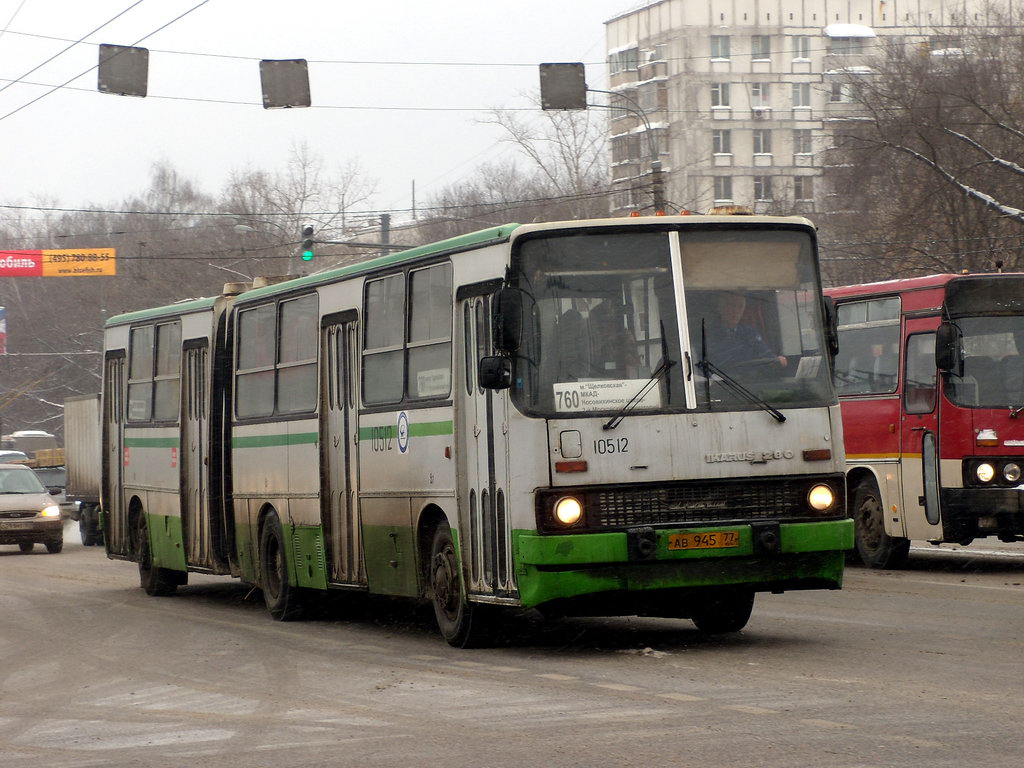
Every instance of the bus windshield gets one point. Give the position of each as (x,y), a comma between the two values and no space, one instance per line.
(601,323)
(993,374)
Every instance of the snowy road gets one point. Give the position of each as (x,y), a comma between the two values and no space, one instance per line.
(918,667)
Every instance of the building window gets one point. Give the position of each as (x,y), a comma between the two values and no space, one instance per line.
(625,148)
(847,46)
(801,48)
(723,189)
(653,96)
(624,61)
(719,95)
(801,95)
(802,141)
(840,93)
(762,187)
(719,46)
(762,141)
(621,104)
(803,188)
(721,142)
(761,47)
(759,95)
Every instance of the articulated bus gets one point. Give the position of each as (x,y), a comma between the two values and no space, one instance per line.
(930,375)
(544,416)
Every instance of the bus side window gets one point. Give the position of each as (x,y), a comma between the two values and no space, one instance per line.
(919,387)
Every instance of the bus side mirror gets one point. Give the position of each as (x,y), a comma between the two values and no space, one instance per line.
(948,349)
(507,320)
(495,372)
(831,326)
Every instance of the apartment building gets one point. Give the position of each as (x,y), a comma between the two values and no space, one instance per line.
(737,98)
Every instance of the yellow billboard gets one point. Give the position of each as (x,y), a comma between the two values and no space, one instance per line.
(79,261)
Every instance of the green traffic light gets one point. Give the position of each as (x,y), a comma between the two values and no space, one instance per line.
(307,255)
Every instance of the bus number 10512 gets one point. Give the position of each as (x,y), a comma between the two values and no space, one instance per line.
(611,445)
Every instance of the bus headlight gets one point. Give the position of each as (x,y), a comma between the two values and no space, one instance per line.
(1011,472)
(821,497)
(568,510)
(984,472)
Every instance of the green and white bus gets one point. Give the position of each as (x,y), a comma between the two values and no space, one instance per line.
(553,416)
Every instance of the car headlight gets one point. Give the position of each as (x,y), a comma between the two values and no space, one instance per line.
(1011,472)
(821,497)
(984,472)
(568,510)
(51,511)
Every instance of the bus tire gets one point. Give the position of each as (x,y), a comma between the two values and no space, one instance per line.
(462,624)
(156,581)
(282,599)
(722,612)
(875,547)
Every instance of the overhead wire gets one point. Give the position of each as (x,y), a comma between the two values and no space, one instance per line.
(94,66)
(72,45)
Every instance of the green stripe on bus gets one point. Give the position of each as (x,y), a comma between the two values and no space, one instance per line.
(270,441)
(423,429)
(151,442)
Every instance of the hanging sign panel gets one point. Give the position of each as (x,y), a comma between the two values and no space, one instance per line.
(70,262)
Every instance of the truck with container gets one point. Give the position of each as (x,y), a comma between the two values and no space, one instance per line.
(83,462)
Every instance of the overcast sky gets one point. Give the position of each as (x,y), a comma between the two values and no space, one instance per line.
(76,146)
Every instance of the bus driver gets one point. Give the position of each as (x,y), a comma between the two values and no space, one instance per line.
(739,341)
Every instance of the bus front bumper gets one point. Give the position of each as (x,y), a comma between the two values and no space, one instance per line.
(766,558)
(973,513)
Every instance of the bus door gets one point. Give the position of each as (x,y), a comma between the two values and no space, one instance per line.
(483,456)
(339,511)
(116,533)
(919,434)
(195,455)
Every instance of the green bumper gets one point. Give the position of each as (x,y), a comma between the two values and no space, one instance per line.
(809,556)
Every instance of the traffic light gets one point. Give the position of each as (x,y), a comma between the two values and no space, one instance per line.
(307,242)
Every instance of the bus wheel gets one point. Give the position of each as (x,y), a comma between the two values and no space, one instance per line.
(875,547)
(157,581)
(462,624)
(721,612)
(282,599)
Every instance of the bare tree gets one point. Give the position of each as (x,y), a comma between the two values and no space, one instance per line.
(934,152)
(560,172)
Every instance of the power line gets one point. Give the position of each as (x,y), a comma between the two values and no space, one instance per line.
(72,45)
(94,66)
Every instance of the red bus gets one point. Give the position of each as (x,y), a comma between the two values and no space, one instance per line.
(930,376)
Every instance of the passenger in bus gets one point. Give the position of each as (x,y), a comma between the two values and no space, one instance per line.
(573,344)
(736,340)
(614,350)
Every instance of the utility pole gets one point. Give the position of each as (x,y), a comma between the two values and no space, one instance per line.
(385,232)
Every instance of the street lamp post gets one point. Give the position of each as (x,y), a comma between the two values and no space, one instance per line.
(563,86)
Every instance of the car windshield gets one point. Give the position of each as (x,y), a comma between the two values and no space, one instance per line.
(17,480)
(993,374)
(601,320)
